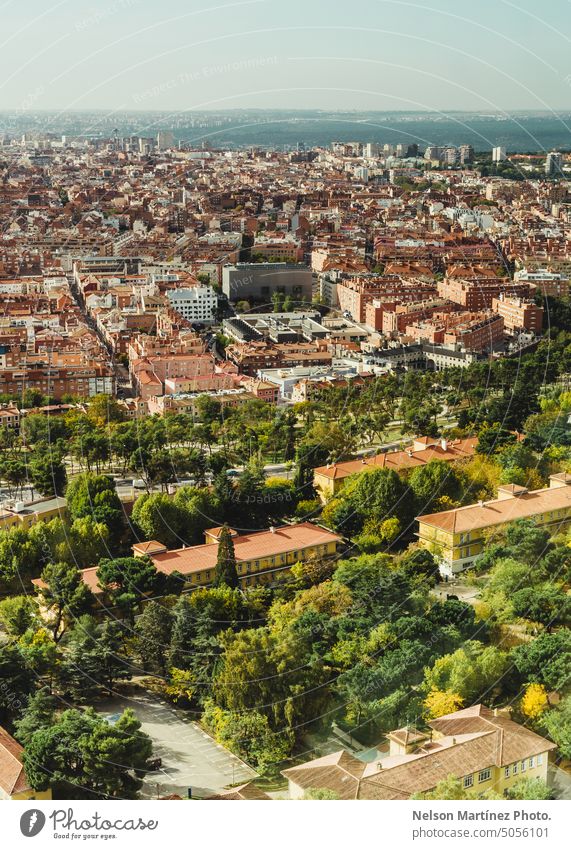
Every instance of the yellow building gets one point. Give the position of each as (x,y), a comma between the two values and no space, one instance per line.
(457,537)
(262,558)
(328,480)
(13,782)
(25,514)
(484,748)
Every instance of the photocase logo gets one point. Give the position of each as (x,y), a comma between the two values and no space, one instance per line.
(32,822)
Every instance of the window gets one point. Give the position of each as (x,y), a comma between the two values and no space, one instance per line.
(515,769)
(484,775)
(531,763)
(539,760)
(523,766)
(468,780)
(507,772)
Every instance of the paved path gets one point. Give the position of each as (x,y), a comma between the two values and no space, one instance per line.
(190,757)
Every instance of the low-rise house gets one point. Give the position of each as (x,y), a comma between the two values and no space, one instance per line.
(484,748)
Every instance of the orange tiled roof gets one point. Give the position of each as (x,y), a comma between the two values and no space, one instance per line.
(460,449)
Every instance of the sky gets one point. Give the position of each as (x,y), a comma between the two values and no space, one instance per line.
(443,55)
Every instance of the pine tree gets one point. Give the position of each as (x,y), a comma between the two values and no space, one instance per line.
(153,632)
(39,713)
(183,635)
(226,573)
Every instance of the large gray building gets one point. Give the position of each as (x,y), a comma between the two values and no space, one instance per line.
(259,281)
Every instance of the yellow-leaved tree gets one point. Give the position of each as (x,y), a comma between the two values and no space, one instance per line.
(534,701)
(440,702)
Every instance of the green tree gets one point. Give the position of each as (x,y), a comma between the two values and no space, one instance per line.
(434,481)
(64,595)
(547,604)
(159,517)
(249,736)
(474,672)
(557,723)
(126,580)
(545,660)
(226,573)
(153,636)
(81,756)
(529,788)
(95,496)
(16,682)
(17,614)
(38,713)
(47,473)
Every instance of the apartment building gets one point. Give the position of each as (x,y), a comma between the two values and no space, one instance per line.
(478,294)
(519,314)
(195,303)
(457,537)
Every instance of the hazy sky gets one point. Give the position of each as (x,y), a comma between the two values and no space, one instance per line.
(204,54)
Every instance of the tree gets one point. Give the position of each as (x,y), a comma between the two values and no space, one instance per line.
(529,788)
(17,614)
(547,604)
(64,595)
(48,474)
(16,682)
(420,563)
(440,702)
(557,723)
(95,496)
(473,672)
(545,660)
(451,788)
(379,494)
(432,482)
(95,658)
(534,701)
(159,518)
(153,635)
(38,713)
(249,735)
(225,573)
(127,580)
(81,756)
(493,438)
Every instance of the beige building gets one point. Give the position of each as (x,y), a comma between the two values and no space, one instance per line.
(457,537)
(482,747)
(328,480)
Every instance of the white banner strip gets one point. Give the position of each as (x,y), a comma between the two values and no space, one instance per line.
(256,824)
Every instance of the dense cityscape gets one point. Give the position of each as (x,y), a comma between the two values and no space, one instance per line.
(285,494)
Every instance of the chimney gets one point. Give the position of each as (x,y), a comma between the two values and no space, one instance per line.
(272,529)
(444,444)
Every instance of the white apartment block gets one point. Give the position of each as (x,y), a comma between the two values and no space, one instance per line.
(197,303)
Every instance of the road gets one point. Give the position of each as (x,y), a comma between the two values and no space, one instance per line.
(190,757)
